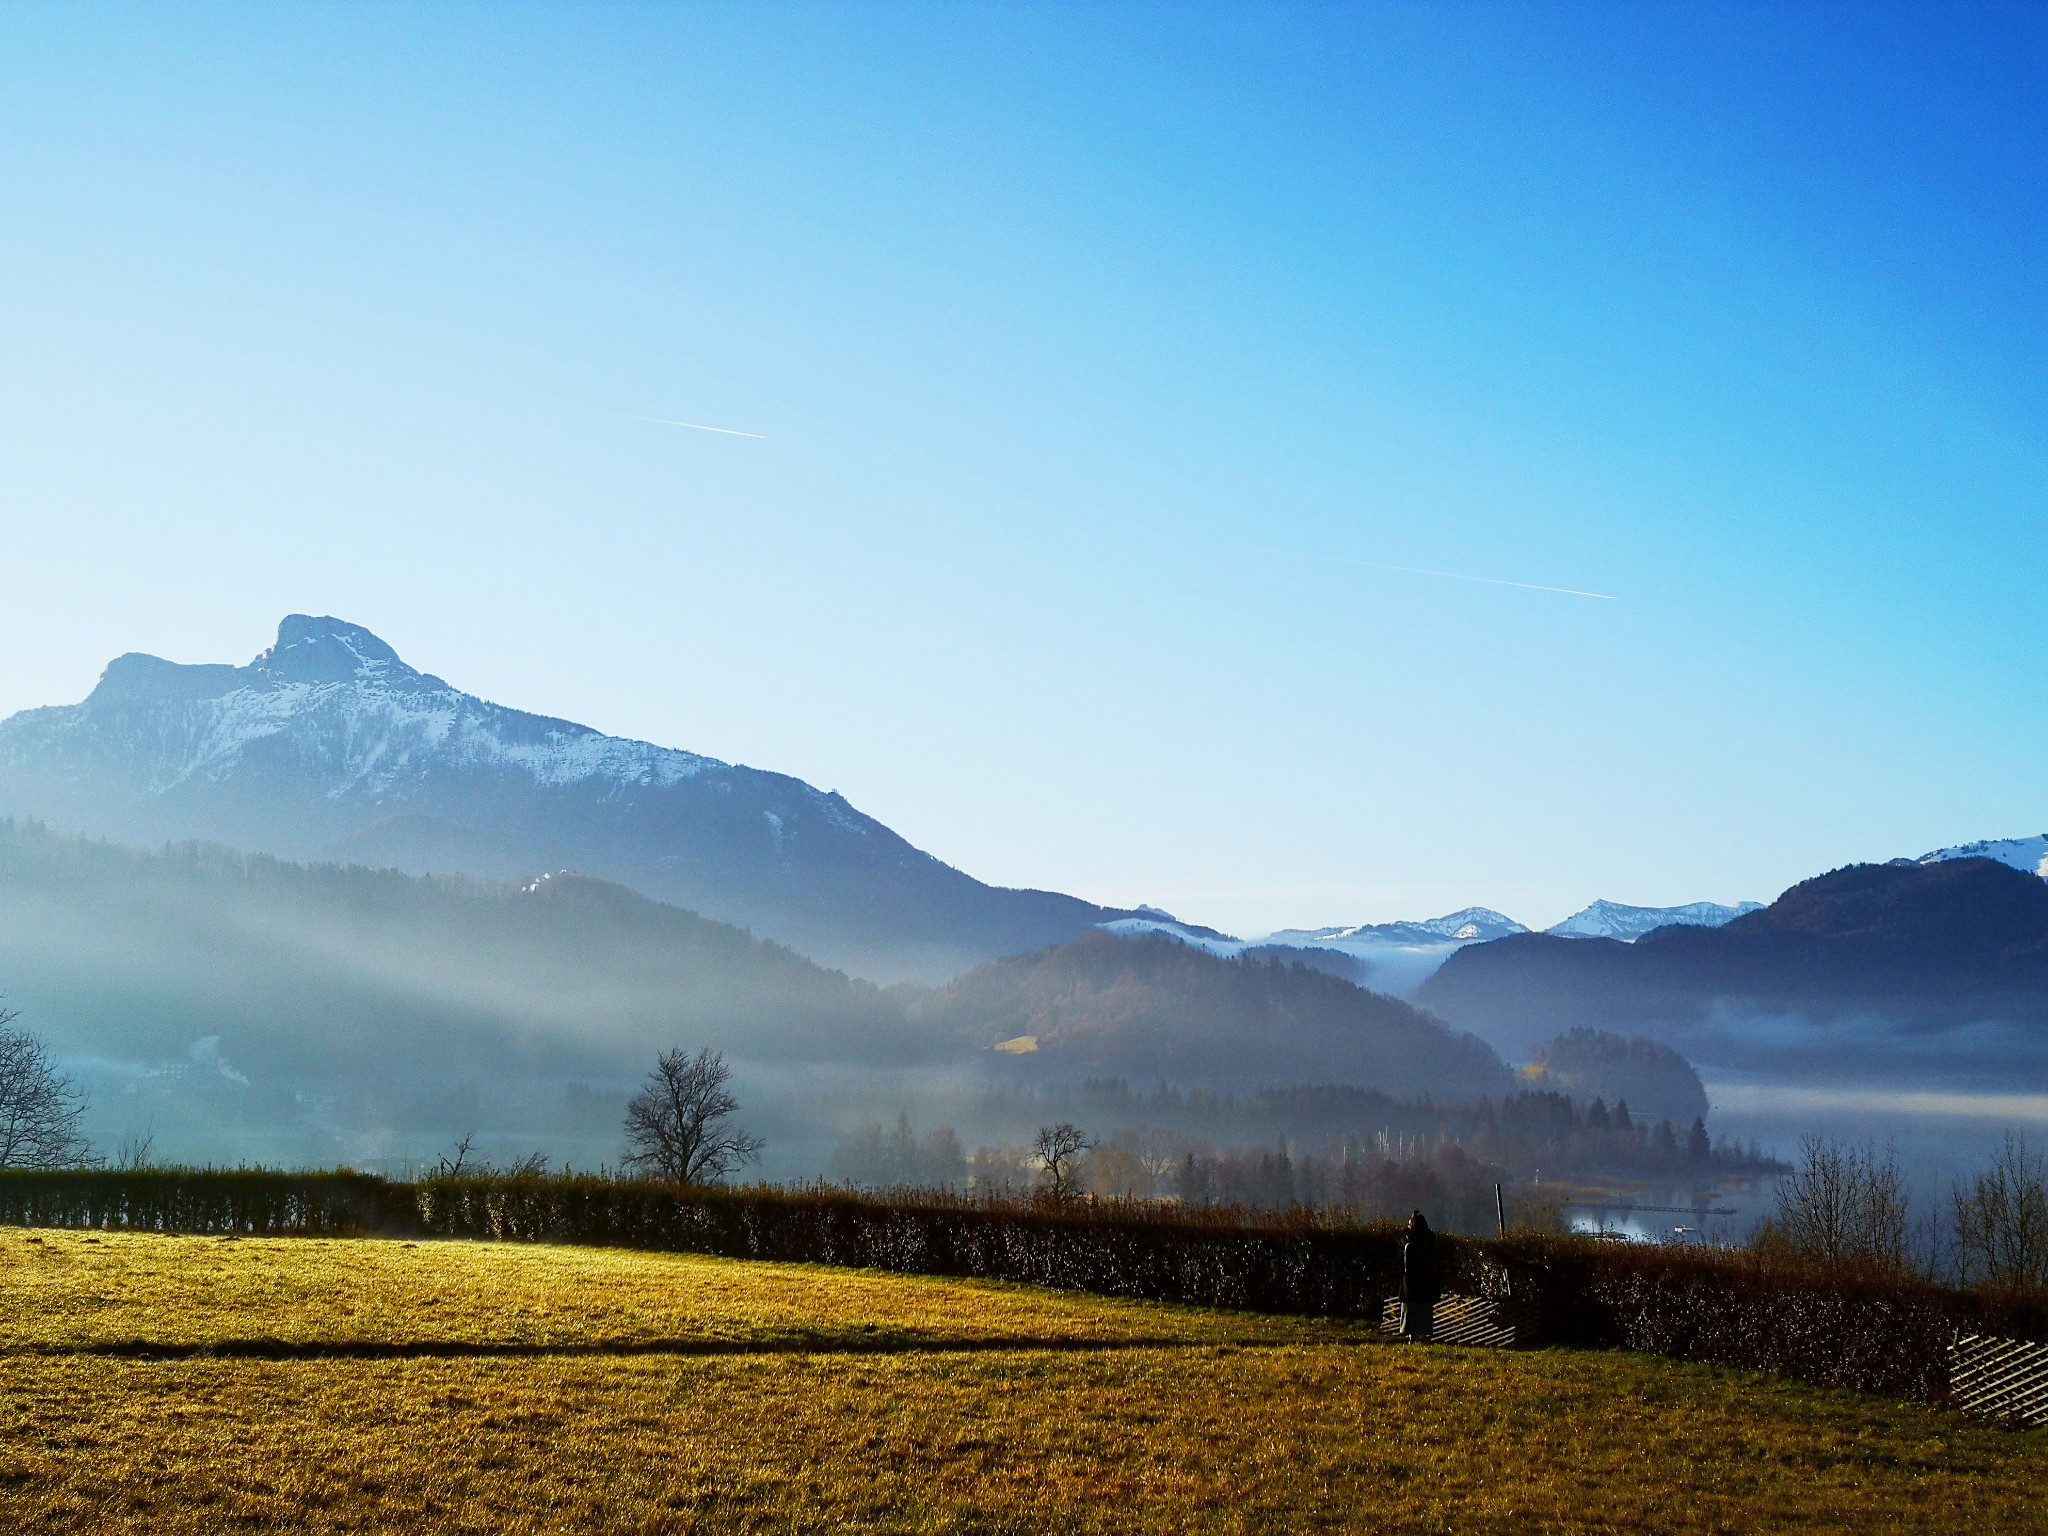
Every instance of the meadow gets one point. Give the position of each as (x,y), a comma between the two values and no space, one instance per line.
(202,1384)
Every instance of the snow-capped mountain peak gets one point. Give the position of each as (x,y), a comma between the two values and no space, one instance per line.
(1613,920)
(1465,926)
(352,714)
(2027,853)
(1398,957)
(329,746)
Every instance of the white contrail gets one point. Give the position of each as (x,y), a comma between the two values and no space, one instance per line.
(698,426)
(1491,581)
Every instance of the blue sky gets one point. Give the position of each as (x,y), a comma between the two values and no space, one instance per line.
(1105,358)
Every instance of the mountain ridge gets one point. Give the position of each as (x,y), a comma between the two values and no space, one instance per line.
(1617,920)
(2028,854)
(328,746)
(1870,958)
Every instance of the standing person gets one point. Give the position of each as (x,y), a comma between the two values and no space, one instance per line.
(1419,1284)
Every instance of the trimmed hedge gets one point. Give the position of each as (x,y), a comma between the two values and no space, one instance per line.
(252,1202)
(1141,1251)
(1867,1332)
(1864,1331)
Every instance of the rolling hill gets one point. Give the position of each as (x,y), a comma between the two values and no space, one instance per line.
(1151,1007)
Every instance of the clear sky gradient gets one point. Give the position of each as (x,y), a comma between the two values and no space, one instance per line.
(1107,361)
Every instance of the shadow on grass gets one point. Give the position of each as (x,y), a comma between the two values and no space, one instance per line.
(464,1349)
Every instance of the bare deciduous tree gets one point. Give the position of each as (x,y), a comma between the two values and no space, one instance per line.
(39,1106)
(675,1126)
(1159,1152)
(136,1151)
(2002,1221)
(465,1164)
(1057,1149)
(461,1165)
(1844,1205)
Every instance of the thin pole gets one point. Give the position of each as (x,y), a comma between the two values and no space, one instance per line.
(1500,1210)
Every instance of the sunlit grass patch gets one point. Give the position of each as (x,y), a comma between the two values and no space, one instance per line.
(70,1289)
(792,1397)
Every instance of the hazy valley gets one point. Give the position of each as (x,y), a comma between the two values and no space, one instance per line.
(495,936)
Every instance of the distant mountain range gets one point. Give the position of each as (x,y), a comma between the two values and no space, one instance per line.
(1482,925)
(1397,958)
(1612,920)
(329,747)
(1470,925)
(1938,967)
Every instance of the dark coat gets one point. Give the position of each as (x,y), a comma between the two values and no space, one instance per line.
(1421,1283)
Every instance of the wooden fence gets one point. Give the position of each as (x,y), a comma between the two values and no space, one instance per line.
(1999,1378)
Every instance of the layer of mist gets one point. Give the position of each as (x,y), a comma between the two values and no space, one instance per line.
(238,1008)
(1878,975)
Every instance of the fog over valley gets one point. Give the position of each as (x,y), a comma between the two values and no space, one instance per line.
(383,915)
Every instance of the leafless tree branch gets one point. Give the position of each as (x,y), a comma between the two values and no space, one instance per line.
(676,1125)
(2001,1221)
(1058,1148)
(1844,1205)
(39,1106)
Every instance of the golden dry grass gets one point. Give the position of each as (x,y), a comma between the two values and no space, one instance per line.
(375,1386)
(78,1290)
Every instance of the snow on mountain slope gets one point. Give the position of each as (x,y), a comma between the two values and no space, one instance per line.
(1153,921)
(1400,957)
(367,721)
(1613,920)
(329,747)
(1394,958)
(1397,958)
(1468,925)
(2027,853)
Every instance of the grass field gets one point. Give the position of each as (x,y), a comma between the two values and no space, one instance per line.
(200,1385)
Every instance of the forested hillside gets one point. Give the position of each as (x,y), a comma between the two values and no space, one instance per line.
(277,1008)
(1149,1008)
(243,1007)
(1905,955)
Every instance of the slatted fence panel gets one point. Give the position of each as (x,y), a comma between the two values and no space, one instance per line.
(1484,1322)
(1999,1378)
